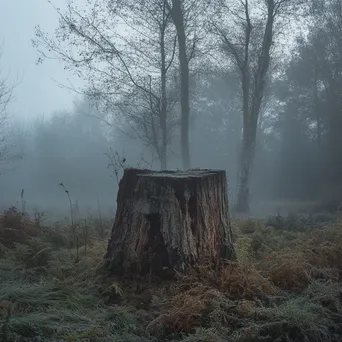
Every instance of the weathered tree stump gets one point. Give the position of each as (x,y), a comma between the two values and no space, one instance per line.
(167,221)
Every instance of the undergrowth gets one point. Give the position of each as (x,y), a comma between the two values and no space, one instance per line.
(284,286)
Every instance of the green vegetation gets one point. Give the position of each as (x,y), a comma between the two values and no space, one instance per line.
(285,286)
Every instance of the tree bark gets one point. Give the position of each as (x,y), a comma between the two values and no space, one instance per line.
(169,221)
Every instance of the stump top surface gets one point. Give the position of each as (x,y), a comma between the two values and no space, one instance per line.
(182,174)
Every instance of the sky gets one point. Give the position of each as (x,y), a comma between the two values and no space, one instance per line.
(37,93)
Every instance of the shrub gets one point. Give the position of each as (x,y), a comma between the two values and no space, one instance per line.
(13,218)
(289,271)
(241,281)
(200,306)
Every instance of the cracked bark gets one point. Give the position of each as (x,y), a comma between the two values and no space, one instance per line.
(169,221)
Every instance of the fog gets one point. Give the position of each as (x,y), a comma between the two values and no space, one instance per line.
(37,92)
(57,135)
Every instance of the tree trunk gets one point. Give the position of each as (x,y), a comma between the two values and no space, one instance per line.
(178,19)
(163,110)
(245,173)
(251,109)
(316,108)
(169,221)
(163,159)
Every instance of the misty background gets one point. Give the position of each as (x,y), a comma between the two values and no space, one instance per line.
(55,134)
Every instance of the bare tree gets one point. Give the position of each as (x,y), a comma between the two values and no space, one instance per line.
(177,12)
(248,44)
(6,96)
(187,16)
(125,50)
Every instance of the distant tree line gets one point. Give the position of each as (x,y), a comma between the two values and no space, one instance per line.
(309,110)
(221,75)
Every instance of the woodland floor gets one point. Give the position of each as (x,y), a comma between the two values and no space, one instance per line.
(285,286)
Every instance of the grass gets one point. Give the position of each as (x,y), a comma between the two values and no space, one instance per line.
(284,286)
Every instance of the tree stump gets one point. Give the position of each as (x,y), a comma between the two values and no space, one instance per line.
(167,221)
